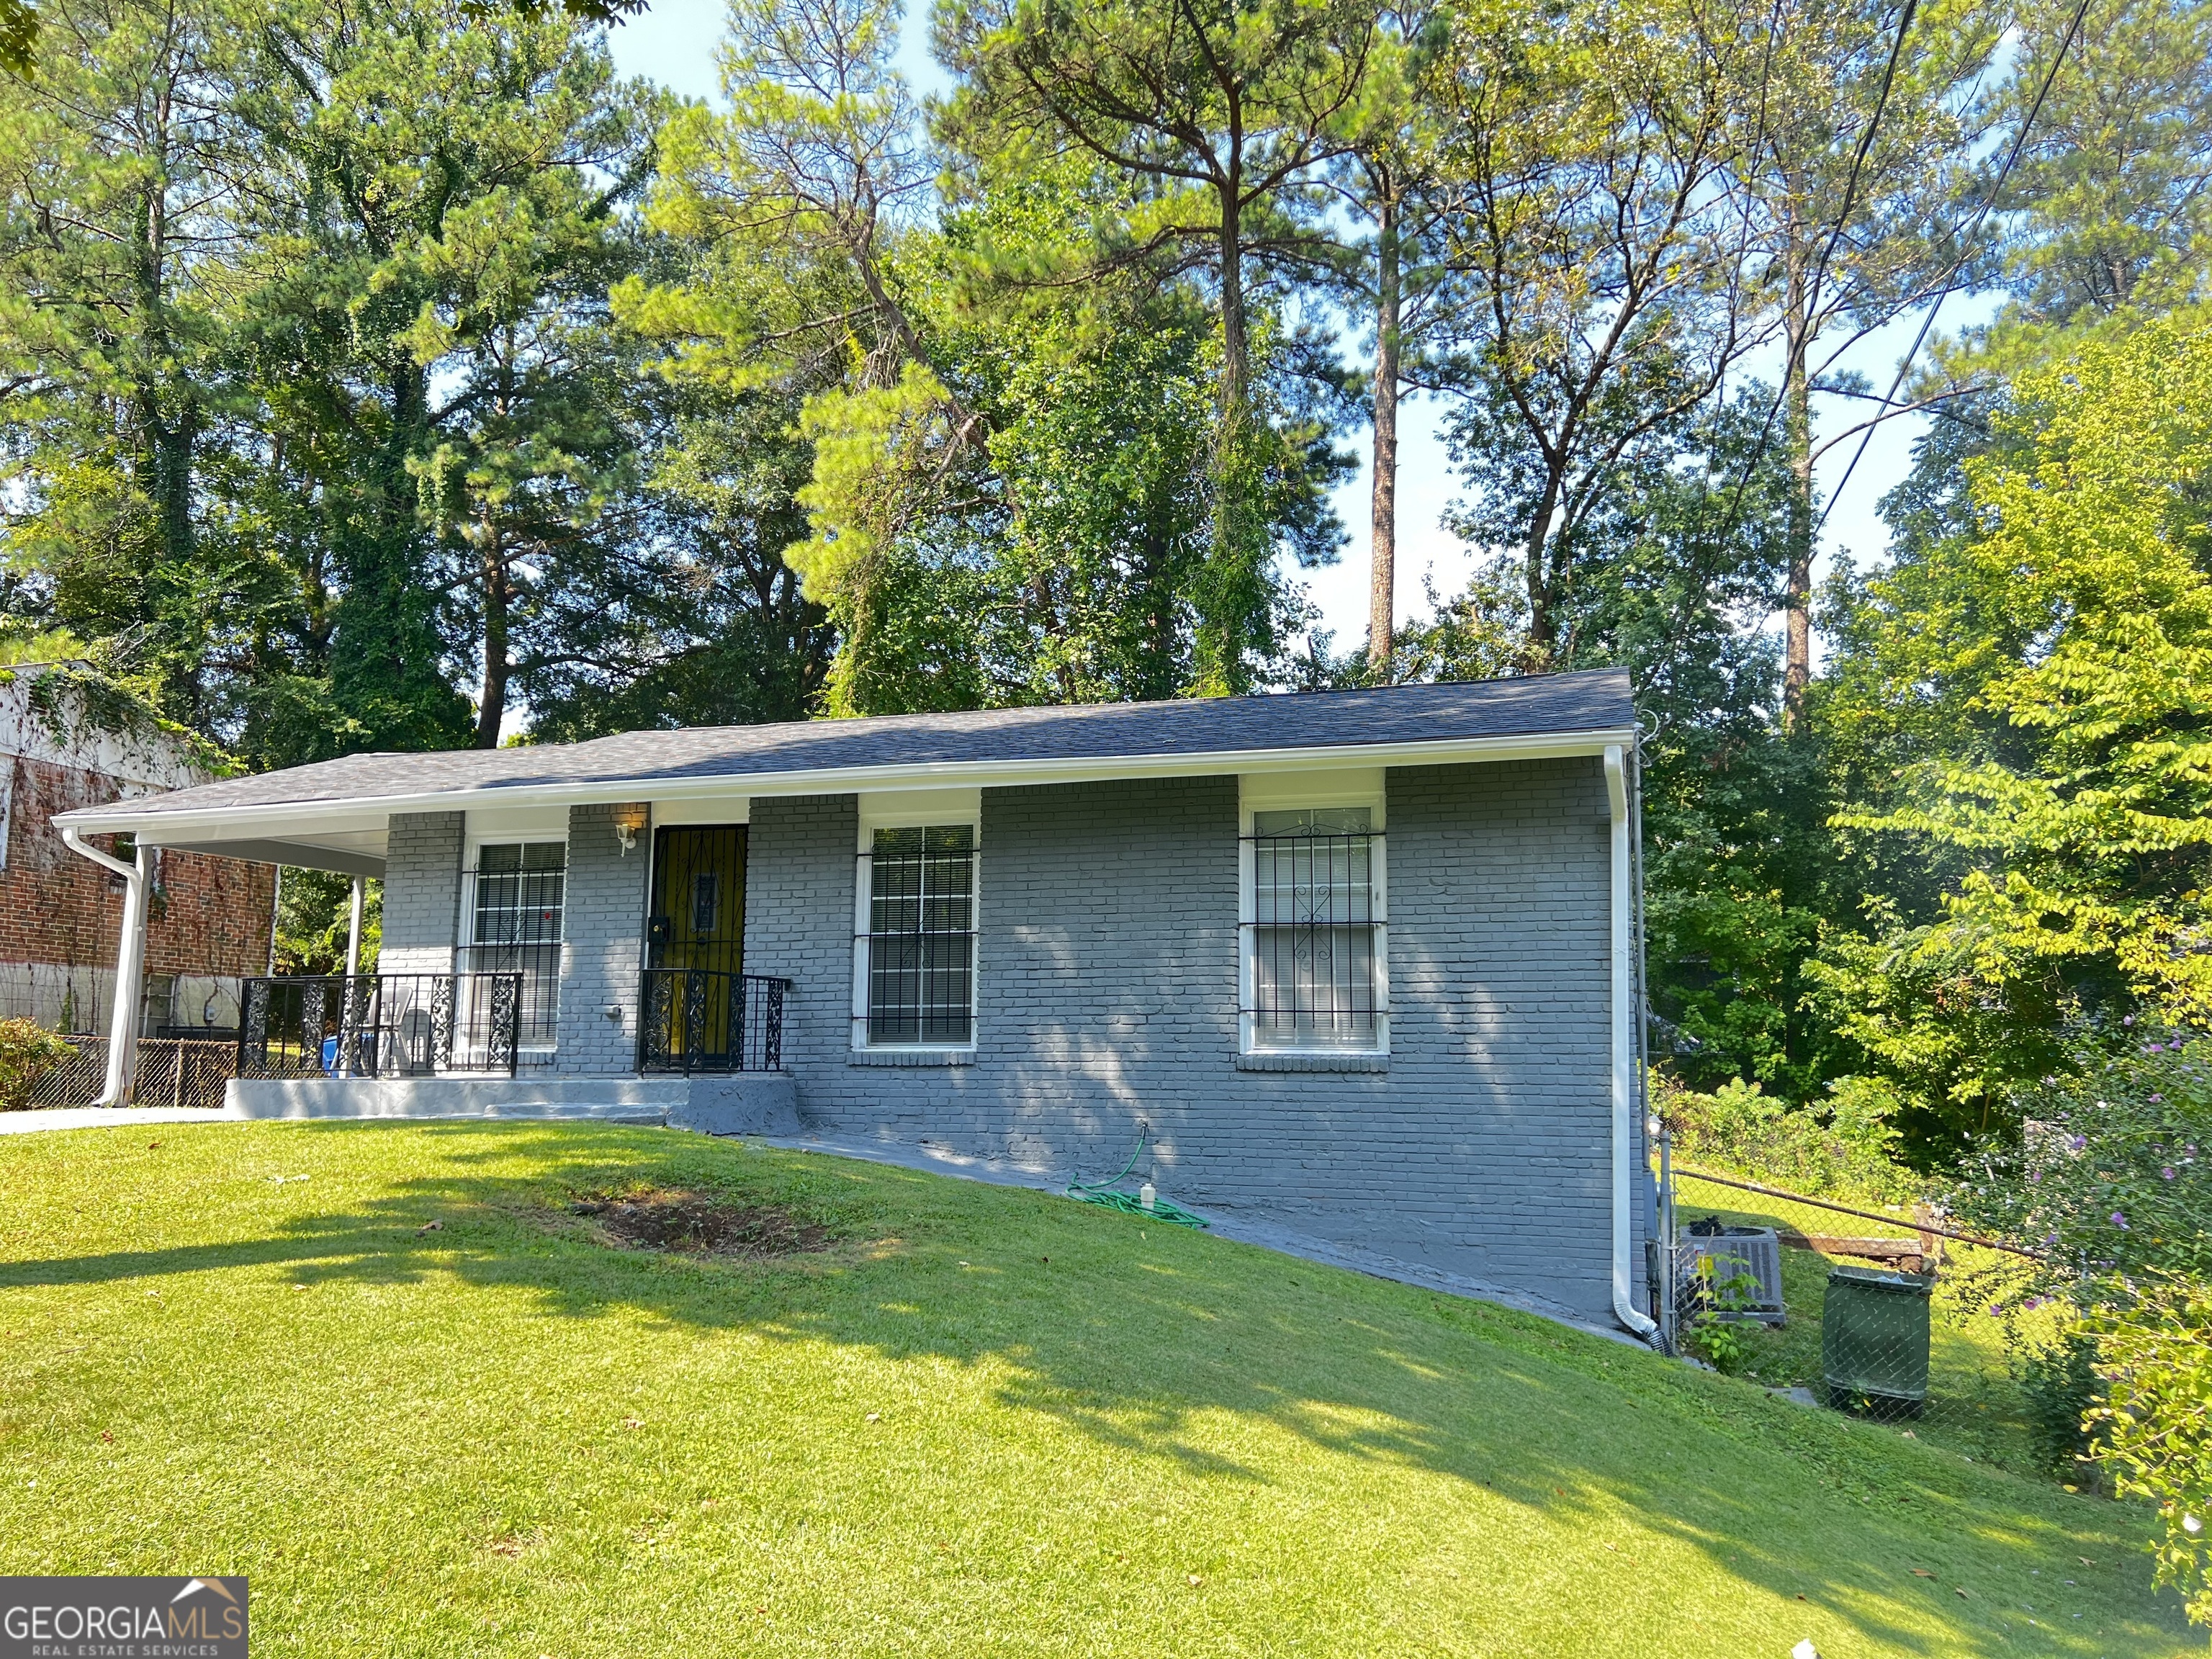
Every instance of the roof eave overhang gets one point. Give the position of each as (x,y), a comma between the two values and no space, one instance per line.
(159,827)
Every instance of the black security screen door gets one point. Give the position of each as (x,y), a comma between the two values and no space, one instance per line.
(694,1014)
(698,918)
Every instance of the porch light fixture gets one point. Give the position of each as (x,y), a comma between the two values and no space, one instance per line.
(628,820)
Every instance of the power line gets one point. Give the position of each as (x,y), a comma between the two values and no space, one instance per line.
(1950,283)
(1820,265)
(1858,159)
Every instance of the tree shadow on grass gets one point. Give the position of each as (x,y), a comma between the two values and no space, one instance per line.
(1131,1346)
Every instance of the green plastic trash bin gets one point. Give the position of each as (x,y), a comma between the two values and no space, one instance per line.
(1873,1341)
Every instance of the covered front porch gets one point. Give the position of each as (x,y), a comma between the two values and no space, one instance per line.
(579,960)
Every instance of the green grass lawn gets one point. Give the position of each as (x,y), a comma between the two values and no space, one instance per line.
(984,1421)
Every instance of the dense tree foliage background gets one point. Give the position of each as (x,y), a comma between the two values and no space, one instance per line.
(397,375)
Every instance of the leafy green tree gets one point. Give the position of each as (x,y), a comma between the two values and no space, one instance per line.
(433,224)
(2106,1185)
(798,207)
(346,277)
(118,169)
(2032,685)
(18,35)
(1590,150)
(531,474)
(1005,457)
(1395,273)
(1222,114)
(1104,538)
(2110,202)
(1853,170)
(1683,552)
(695,619)
(315,917)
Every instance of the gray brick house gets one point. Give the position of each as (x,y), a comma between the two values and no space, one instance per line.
(1363,965)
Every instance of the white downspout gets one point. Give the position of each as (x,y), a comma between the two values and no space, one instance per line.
(130,967)
(1623,1051)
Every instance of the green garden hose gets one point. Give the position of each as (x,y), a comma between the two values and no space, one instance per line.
(1102,1192)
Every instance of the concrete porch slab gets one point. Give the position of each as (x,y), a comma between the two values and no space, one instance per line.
(752,1103)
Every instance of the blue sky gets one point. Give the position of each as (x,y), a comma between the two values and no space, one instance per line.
(674,44)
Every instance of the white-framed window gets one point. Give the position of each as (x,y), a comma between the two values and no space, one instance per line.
(1313,976)
(916,892)
(514,909)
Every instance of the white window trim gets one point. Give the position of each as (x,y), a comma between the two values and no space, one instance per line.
(505,829)
(715,810)
(497,825)
(909,809)
(1278,791)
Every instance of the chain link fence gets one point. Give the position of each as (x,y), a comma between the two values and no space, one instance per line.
(171,1071)
(1871,1310)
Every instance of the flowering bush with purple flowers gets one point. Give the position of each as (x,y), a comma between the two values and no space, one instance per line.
(2110,1183)
(2111,1178)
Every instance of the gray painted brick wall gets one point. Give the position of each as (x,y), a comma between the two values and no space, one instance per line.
(604,930)
(800,871)
(1107,994)
(422,892)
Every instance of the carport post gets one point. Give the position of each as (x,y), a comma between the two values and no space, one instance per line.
(348,1038)
(353,927)
(130,967)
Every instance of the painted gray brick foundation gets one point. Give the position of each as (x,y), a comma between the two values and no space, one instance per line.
(1107,994)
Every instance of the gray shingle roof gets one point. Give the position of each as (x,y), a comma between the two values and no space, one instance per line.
(1593,701)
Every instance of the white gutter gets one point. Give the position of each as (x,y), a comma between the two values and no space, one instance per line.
(129,967)
(1624,1050)
(243,822)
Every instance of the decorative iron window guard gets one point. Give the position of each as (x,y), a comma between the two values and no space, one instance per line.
(1313,948)
(380,1026)
(917,952)
(696,1019)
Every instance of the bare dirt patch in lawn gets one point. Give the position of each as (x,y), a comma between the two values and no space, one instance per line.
(698,1223)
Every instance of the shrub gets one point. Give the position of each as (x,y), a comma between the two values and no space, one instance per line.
(2109,1182)
(27,1048)
(1717,1340)
(2107,1179)
(2154,1430)
(2062,1387)
(1741,1128)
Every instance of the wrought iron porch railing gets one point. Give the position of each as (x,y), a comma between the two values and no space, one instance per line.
(693,1019)
(380,1026)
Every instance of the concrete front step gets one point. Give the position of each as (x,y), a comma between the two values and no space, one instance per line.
(746,1103)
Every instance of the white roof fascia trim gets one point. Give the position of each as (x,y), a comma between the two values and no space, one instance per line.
(848,780)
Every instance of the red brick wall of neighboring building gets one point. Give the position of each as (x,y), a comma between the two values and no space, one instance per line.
(211,916)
